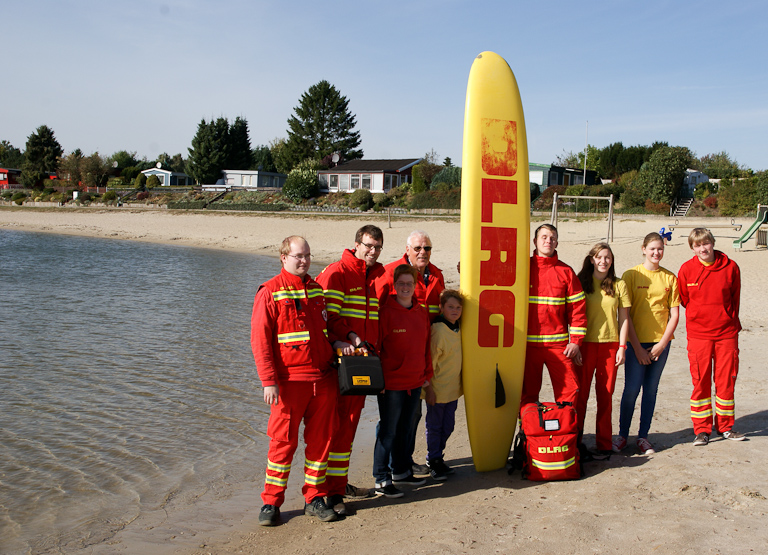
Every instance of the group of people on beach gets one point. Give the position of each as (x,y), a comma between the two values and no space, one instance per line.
(581,326)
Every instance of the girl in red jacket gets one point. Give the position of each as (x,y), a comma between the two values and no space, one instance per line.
(710,290)
(407,365)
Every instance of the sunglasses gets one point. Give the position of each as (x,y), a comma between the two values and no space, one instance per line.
(418,249)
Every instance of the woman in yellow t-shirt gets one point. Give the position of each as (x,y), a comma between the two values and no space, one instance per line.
(655,311)
(603,349)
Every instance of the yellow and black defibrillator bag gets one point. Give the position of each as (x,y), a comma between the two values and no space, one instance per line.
(360,375)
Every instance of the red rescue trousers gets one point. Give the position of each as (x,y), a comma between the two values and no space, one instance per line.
(703,354)
(598,359)
(562,374)
(348,412)
(315,403)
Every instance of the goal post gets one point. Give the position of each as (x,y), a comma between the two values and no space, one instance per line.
(609,234)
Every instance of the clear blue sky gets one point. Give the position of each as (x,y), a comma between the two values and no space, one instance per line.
(140,74)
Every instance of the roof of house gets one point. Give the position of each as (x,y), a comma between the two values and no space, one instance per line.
(375,165)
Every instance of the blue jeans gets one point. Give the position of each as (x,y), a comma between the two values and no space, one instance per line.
(636,377)
(393,434)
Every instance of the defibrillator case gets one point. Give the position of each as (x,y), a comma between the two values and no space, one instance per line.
(360,375)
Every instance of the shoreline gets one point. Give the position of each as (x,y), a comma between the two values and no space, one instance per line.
(679,500)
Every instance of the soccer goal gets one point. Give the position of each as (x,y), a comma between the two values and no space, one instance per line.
(609,200)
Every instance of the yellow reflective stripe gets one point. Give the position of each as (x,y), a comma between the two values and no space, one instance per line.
(339,456)
(314,293)
(288,294)
(333,307)
(724,412)
(577,331)
(434,308)
(580,296)
(557,465)
(282,482)
(315,465)
(548,338)
(334,294)
(353,313)
(701,413)
(360,299)
(546,300)
(373,316)
(373,302)
(314,480)
(293,337)
(278,467)
(325,332)
(724,402)
(337,471)
(701,402)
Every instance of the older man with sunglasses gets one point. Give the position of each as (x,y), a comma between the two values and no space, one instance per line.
(418,250)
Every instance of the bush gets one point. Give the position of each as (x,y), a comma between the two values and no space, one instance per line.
(152,182)
(437,199)
(657,207)
(109,196)
(544,202)
(144,195)
(739,196)
(450,175)
(302,182)
(140,182)
(418,185)
(703,190)
(18,195)
(710,202)
(362,199)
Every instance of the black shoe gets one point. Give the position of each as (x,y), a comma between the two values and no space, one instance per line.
(269,515)
(388,490)
(409,481)
(336,502)
(319,509)
(420,469)
(438,470)
(354,492)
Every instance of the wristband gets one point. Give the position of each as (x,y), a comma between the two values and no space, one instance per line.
(622,346)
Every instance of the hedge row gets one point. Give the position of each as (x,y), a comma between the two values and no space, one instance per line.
(248,206)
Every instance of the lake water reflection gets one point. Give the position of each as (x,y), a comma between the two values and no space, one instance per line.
(126,379)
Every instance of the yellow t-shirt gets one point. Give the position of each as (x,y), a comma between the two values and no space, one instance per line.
(602,312)
(652,294)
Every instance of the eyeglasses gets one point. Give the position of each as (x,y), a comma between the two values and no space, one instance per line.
(404,284)
(301,257)
(418,249)
(376,248)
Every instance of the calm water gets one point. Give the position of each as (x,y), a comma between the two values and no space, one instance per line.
(126,379)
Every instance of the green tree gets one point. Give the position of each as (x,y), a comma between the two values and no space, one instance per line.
(302,182)
(663,175)
(280,155)
(124,160)
(451,175)
(448,162)
(322,125)
(152,182)
(95,170)
(41,156)
(261,159)
(70,167)
(239,146)
(209,152)
(140,182)
(720,166)
(10,156)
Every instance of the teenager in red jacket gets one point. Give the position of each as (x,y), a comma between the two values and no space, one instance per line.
(710,290)
(353,312)
(406,361)
(429,285)
(557,321)
(293,354)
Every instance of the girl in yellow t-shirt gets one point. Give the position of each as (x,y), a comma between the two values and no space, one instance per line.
(655,311)
(603,349)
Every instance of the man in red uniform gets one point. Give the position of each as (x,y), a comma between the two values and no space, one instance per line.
(557,321)
(710,290)
(418,250)
(293,355)
(353,312)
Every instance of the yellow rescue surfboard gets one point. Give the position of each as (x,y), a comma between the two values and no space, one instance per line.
(495,229)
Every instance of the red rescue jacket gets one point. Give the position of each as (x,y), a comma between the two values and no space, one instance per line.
(557,308)
(351,299)
(289,336)
(711,297)
(404,345)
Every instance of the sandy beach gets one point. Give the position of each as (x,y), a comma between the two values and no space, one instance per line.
(683,499)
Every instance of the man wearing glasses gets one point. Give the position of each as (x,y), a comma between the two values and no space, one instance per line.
(429,285)
(353,313)
(289,338)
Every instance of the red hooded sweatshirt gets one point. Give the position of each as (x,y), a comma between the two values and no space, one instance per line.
(711,295)
(404,345)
